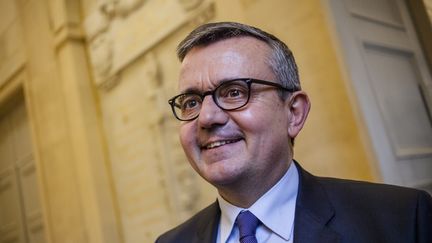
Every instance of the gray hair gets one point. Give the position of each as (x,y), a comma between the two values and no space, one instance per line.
(281,60)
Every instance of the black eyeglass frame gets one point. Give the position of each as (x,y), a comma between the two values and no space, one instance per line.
(248,81)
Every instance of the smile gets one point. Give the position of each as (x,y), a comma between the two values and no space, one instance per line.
(219,143)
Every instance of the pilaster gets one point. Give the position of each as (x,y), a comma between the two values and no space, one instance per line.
(78,197)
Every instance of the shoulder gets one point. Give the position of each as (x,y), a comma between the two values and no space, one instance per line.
(367,193)
(379,209)
(189,230)
(343,193)
(367,212)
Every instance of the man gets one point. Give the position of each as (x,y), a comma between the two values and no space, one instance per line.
(241,106)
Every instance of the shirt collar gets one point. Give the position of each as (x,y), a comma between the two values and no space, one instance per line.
(275,209)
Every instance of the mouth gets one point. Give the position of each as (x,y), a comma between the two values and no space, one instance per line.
(219,143)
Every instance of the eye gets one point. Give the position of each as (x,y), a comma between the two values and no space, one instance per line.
(189,102)
(233,91)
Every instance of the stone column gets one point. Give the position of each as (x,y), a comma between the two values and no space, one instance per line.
(74,173)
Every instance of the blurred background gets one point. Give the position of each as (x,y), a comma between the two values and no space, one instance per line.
(89,151)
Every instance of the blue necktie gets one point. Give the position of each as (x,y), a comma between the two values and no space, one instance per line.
(247,223)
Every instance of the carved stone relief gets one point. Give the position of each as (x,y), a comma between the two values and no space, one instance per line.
(190,4)
(140,130)
(130,119)
(120,31)
(155,185)
(102,55)
(120,7)
(203,16)
(176,172)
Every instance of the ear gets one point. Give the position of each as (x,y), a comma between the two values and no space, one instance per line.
(299,106)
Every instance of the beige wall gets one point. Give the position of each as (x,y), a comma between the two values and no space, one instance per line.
(97,79)
(330,143)
(428,5)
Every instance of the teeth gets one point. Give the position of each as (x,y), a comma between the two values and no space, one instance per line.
(219,143)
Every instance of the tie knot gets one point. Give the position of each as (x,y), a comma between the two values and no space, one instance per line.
(247,223)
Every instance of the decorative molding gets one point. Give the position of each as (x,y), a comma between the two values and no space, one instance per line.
(203,16)
(71,32)
(12,54)
(101,49)
(10,232)
(154,86)
(183,190)
(411,152)
(65,21)
(34,221)
(110,82)
(190,4)
(102,56)
(28,168)
(6,178)
(179,179)
(97,23)
(392,17)
(120,7)
(111,31)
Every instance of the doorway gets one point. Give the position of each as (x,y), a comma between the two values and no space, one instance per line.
(20,209)
(391,83)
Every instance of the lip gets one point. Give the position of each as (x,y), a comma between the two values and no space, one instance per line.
(219,143)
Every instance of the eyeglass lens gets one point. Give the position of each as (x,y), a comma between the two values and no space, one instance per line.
(228,96)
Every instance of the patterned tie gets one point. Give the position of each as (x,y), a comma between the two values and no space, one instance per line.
(247,223)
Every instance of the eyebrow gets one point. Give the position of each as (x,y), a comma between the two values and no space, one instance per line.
(191,90)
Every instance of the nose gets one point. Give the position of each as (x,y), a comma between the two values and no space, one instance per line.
(211,115)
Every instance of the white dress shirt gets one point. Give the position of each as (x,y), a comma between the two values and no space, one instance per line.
(275,209)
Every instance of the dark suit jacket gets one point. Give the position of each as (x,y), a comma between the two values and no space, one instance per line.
(335,210)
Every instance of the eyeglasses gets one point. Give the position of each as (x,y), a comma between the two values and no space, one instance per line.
(229,95)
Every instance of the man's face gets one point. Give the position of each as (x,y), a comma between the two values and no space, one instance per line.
(234,147)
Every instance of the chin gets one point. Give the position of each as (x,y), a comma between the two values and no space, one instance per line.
(218,178)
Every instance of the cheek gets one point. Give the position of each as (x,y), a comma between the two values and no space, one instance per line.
(264,123)
(260,117)
(187,138)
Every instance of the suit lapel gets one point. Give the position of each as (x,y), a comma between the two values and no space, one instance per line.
(313,212)
(208,225)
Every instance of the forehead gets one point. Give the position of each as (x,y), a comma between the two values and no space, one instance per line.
(242,57)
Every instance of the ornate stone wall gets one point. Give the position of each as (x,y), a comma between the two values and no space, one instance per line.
(12,51)
(98,74)
(131,45)
(43,57)
(155,186)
